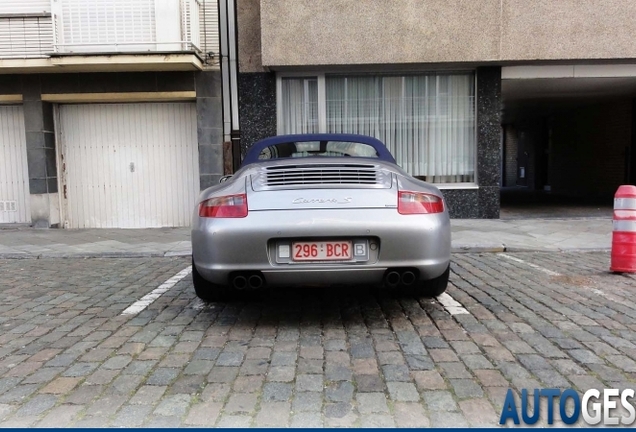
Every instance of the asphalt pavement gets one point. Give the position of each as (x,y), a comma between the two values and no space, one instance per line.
(468,235)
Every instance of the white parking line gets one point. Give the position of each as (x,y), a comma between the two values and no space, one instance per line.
(451,305)
(553,273)
(147,300)
(534,266)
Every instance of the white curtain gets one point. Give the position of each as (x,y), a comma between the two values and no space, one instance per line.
(352,106)
(426,121)
(299,107)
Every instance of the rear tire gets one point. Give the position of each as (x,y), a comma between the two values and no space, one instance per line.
(433,287)
(206,290)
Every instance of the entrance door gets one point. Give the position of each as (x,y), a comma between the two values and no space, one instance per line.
(522,159)
(128,165)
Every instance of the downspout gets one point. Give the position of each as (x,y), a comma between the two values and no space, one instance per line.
(229,77)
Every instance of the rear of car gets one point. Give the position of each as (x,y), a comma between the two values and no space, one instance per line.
(321,221)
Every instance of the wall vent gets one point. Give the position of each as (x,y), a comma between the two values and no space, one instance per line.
(8,206)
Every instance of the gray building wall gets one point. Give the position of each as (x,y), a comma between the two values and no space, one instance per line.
(248,17)
(41,157)
(309,32)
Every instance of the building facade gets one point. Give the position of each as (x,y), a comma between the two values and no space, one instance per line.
(469,95)
(110,111)
(116,113)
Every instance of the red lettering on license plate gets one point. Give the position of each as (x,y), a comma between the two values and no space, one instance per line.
(321,251)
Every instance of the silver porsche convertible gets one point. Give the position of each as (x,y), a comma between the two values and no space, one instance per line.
(320,209)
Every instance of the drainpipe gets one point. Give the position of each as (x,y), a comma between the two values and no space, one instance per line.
(229,77)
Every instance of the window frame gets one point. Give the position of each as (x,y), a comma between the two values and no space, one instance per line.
(320,76)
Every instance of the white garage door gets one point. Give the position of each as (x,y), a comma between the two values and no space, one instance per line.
(129,165)
(14,174)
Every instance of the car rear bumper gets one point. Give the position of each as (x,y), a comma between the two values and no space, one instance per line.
(223,246)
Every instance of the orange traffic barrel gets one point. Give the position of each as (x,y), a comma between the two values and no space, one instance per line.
(624,233)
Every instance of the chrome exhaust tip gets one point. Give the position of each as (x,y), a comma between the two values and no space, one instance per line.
(255,282)
(392,279)
(239,282)
(408,278)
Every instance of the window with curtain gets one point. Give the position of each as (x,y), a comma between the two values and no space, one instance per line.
(299,107)
(426,121)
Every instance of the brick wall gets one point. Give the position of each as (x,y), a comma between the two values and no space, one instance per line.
(587,154)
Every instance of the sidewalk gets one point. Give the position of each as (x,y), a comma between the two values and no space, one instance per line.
(525,235)
(469,235)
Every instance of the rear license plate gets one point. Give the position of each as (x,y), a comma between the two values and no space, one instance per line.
(322,251)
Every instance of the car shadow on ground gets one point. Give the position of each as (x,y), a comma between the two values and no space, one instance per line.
(308,294)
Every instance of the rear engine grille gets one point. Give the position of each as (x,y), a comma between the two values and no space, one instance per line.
(293,175)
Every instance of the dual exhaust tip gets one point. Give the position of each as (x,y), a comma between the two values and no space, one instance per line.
(243,281)
(392,279)
(400,277)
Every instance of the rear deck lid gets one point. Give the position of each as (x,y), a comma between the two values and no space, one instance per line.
(322,186)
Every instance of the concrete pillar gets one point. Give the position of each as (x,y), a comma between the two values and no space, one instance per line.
(489,145)
(41,158)
(257,107)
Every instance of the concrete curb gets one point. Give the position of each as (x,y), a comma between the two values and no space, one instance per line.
(177,253)
(473,248)
(85,255)
(515,249)
(592,249)
(16,255)
(520,249)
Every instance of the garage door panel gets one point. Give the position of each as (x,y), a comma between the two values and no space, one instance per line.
(130,165)
(14,177)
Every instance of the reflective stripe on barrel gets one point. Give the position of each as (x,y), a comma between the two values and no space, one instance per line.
(624,233)
(625,203)
(625,225)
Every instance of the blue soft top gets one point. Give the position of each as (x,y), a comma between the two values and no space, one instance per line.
(256,149)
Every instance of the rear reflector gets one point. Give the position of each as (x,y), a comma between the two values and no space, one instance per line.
(419,203)
(230,206)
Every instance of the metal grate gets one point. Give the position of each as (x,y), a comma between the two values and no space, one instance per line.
(291,175)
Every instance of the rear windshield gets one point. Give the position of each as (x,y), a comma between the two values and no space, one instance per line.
(317,148)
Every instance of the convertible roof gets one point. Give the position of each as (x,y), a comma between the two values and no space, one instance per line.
(255,150)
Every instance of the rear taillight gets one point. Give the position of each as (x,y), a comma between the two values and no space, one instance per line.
(419,203)
(230,206)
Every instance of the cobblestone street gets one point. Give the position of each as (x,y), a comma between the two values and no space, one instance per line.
(305,357)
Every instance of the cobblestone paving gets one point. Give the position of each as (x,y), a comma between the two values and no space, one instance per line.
(305,357)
